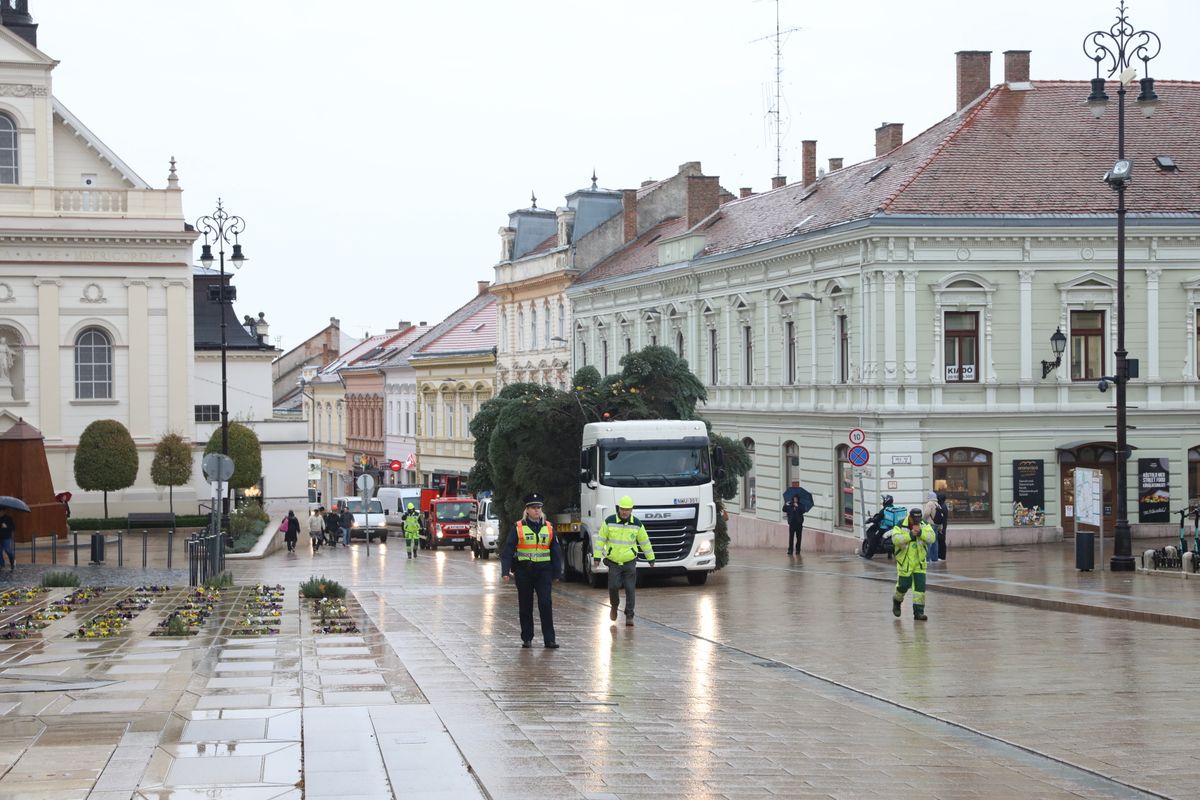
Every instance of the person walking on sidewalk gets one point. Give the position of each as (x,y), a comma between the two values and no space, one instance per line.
(795,521)
(346,522)
(532,554)
(291,531)
(910,539)
(617,543)
(940,519)
(411,521)
(316,528)
(929,514)
(8,538)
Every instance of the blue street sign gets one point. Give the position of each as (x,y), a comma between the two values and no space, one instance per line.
(859,455)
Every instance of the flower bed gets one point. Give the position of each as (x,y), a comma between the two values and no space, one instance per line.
(14,597)
(104,625)
(261,614)
(186,618)
(330,615)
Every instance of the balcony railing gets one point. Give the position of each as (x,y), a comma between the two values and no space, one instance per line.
(58,201)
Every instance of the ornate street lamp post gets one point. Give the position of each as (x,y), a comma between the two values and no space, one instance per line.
(222,228)
(1113,50)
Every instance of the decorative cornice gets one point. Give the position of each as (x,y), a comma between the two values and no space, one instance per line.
(22,90)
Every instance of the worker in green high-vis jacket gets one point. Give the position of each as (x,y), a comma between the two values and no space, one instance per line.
(910,539)
(411,520)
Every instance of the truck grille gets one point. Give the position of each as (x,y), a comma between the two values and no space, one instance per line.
(671,539)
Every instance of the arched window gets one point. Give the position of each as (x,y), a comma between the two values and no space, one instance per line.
(546,324)
(533,328)
(965,475)
(8,150)
(749,481)
(520,330)
(679,344)
(791,464)
(844,480)
(503,332)
(562,319)
(93,365)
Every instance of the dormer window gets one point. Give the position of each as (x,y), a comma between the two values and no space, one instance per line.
(8,150)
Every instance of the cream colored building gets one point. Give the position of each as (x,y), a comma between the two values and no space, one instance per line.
(914,296)
(95,283)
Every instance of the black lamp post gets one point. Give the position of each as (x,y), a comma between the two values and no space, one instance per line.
(1114,49)
(222,228)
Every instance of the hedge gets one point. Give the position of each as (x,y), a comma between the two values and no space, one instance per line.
(119,523)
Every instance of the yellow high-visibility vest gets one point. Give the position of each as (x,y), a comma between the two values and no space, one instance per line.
(534,545)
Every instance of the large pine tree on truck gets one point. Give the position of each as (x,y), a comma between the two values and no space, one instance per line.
(528,436)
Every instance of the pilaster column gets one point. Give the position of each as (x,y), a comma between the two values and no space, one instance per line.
(910,325)
(1153,274)
(138,379)
(1026,326)
(889,326)
(52,381)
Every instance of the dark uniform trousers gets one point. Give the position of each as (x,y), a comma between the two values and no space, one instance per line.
(532,579)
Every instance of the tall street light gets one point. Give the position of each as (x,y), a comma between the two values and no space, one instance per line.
(223,229)
(1113,50)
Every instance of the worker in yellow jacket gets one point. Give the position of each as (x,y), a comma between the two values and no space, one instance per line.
(910,539)
(617,544)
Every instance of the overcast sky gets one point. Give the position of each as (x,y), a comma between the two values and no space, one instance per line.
(374,148)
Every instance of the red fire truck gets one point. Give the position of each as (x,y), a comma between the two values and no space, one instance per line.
(449,522)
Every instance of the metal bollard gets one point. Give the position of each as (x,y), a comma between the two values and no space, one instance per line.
(120,548)
(33,548)
(145,535)
(54,549)
(170,544)
(76,535)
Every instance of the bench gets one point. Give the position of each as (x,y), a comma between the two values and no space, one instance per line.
(156,519)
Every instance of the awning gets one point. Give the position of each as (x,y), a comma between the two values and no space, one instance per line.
(1071,447)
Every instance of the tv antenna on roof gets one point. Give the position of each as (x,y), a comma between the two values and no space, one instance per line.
(777,109)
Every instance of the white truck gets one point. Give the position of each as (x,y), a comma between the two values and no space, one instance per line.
(486,532)
(370,524)
(664,465)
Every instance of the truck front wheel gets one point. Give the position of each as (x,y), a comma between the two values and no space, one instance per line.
(697,578)
(596,580)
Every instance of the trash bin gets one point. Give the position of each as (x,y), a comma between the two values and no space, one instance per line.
(97,548)
(1085,556)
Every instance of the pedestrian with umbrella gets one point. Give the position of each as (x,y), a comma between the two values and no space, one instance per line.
(797,502)
(8,529)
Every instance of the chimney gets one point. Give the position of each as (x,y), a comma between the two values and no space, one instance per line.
(888,136)
(703,197)
(629,208)
(482,286)
(974,75)
(404,325)
(778,180)
(1016,66)
(745,191)
(835,164)
(335,322)
(808,161)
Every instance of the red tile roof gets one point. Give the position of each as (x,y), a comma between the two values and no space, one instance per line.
(1035,152)
(637,256)
(548,244)
(474,332)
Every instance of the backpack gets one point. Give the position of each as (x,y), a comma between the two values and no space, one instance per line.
(892,516)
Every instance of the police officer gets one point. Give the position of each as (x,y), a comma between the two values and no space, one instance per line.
(411,521)
(532,554)
(617,543)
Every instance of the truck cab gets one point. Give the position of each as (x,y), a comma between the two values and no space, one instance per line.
(450,522)
(487,529)
(665,466)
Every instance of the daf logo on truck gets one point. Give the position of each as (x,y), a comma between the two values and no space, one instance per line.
(654,462)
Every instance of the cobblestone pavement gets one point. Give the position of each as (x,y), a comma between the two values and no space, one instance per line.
(783,677)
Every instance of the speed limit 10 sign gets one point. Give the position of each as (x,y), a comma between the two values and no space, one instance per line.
(857,436)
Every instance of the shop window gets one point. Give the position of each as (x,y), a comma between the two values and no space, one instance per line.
(962,346)
(1087,345)
(965,475)
(749,481)
(844,480)
(791,464)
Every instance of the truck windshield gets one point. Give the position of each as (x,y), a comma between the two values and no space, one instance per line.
(356,506)
(675,466)
(488,510)
(453,511)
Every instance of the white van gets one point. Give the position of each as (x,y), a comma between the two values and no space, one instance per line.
(486,532)
(395,500)
(369,525)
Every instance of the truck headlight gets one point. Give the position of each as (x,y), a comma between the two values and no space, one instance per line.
(704,548)
(354,524)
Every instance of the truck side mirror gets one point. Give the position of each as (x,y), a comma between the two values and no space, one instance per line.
(720,473)
(585,459)
(585,476)
(719,456)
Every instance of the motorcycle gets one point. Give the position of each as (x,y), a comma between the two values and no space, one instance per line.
(877,533)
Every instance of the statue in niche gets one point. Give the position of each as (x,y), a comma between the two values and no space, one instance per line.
(8,358)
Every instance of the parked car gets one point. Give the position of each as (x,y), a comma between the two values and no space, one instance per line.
(369,524)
